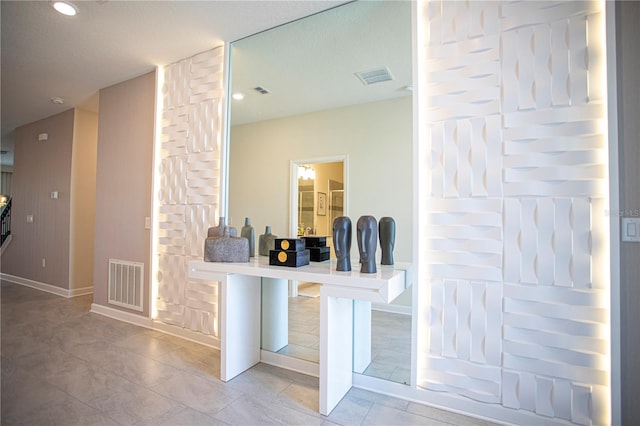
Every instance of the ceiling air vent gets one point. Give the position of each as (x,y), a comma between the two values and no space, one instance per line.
(374,76)
(261,90)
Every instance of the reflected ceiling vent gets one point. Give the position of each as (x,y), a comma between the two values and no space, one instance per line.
(374,76)
(261,90)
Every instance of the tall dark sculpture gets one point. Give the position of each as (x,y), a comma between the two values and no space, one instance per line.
(342,242)
(387,233)
(367,243)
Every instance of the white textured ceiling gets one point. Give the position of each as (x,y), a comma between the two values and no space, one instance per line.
(45,54)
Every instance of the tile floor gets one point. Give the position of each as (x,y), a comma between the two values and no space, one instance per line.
(62,365)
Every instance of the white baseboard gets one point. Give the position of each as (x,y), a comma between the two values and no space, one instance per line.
(288,363)
(46,287)
(391,308)
(82,291)
(183,333)
(147,322)
(492,413)
(119,315)
(5,244)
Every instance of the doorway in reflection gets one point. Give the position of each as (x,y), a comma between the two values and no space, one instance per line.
(320,189)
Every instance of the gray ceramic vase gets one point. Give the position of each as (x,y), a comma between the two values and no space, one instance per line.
(226,248)
(219,230)
(266,242)
(248,233)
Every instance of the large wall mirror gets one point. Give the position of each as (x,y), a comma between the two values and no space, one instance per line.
(333,85)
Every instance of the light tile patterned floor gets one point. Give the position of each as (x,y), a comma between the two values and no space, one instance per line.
(62,365)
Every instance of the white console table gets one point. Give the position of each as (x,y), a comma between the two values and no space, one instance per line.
(240,315)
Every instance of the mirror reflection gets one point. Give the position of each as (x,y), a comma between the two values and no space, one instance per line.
(320,197)
(333,85)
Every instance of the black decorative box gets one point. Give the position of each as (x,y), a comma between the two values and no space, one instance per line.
(315,241)
(289,258)
(319,254)
(290,244)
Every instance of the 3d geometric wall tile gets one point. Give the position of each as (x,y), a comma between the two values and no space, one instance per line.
(548,241)
(189,187)
(516,164)
(465,238)
(467,321)
(465,339)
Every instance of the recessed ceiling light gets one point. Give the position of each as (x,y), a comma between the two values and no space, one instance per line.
(238,96)
(56,100)
(65,7)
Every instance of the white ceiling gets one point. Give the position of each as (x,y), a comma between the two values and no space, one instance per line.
(307,65)
(310,65)
(45,54)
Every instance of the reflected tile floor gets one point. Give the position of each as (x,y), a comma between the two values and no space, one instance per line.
(62,365)
(390,338)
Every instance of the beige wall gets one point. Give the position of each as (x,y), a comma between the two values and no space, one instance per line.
(377,137)
(83,198)
(41,167)
(123,182)
(628,34)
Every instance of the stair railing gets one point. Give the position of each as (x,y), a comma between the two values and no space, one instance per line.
(5,216)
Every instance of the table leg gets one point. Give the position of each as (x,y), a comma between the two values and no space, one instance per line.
(239,297)
(336,349)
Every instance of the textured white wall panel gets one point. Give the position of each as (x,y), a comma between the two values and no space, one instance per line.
(188,187)
(173,187)
(476,381)
(514,120)
(465,339)
(176,85)
(466,239)
(198,220)
(203,120)
(171,276)
(203,187)
(550,240)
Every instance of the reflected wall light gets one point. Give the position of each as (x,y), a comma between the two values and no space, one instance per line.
(306,172)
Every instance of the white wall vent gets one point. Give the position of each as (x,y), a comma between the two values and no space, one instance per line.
(374,76)
(126,284)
